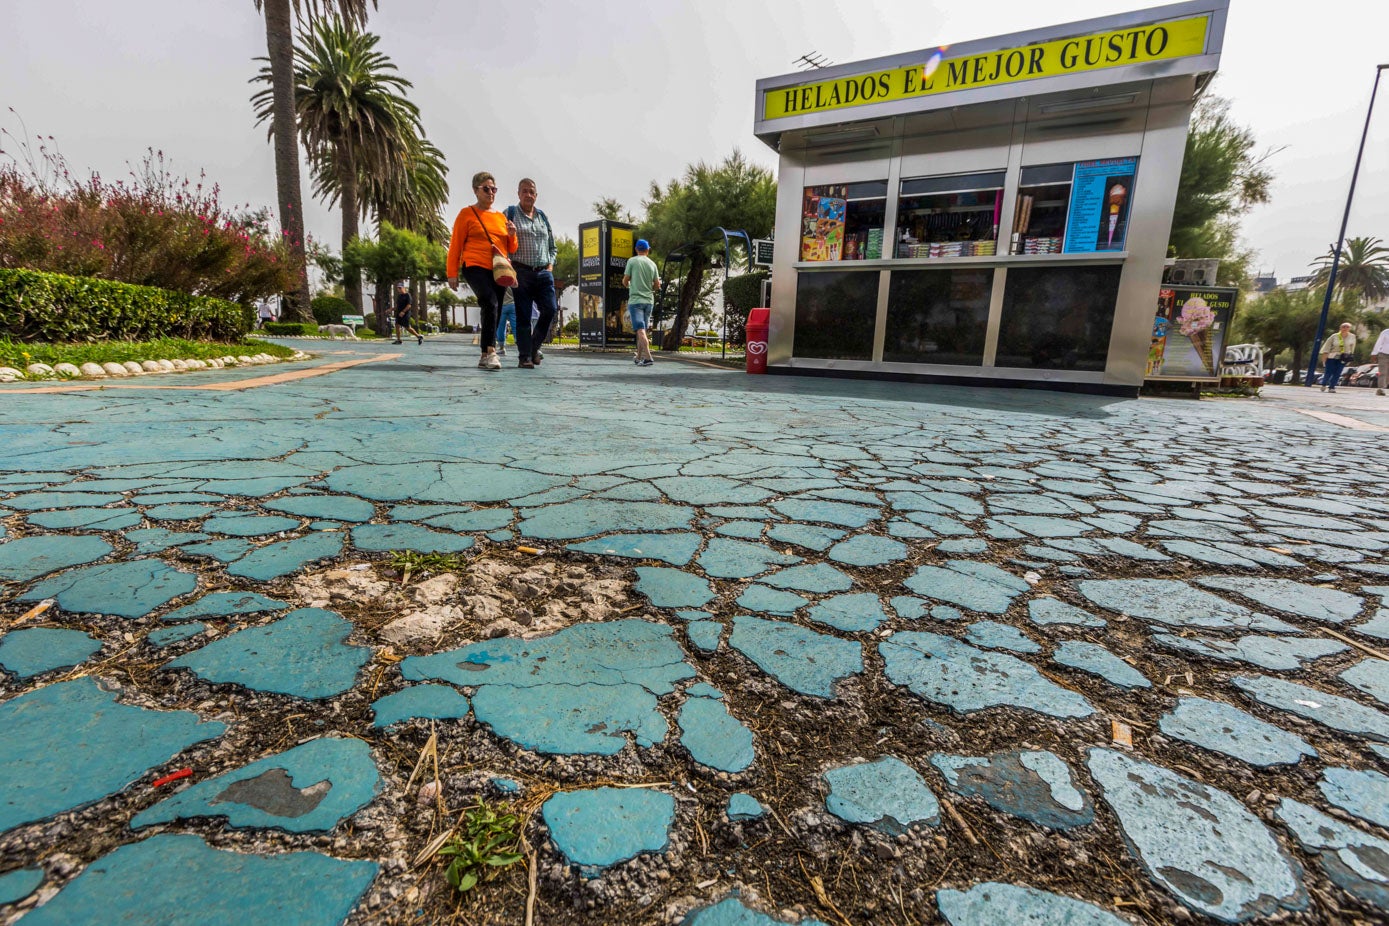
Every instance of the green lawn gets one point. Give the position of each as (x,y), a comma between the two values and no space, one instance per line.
(19,354)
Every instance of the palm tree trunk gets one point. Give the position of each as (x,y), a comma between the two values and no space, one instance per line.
(279,41)
(347,182)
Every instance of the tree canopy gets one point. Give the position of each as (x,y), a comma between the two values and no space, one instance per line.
(734,194)
(1222,178)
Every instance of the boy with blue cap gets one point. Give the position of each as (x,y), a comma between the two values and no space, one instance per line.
(642,281)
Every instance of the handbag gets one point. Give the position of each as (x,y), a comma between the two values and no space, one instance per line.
(503,274)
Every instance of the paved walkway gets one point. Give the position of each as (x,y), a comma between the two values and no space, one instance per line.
(741,650)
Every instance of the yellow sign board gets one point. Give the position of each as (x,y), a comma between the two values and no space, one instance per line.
(589,246)
(1135,45)
(621,242)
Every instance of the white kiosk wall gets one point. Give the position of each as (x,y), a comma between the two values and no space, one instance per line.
(908,269)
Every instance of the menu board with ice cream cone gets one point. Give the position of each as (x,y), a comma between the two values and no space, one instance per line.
(1101,200)
(1189,333)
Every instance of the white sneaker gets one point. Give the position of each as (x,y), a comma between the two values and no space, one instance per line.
(501,352)
(1323,388)
(482,363)
(493,362)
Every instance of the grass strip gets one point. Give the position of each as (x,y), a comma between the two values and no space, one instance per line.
(19,354)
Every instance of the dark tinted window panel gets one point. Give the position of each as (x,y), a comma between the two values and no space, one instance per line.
(1047,173)
(866,190)
(835,315)
(937,316)
(953,184)
(1057,318)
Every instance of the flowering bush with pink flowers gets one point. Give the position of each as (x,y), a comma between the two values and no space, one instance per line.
(152,229)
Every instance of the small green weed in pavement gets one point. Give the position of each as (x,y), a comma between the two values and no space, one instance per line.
(20,354)
(488,843)
(408,561)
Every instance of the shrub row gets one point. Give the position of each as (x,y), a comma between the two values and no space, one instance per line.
(53,307)
(745,294)
(329,310)
(292,329)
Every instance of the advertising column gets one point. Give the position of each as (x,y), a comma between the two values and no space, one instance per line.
(591,283)
(618,244)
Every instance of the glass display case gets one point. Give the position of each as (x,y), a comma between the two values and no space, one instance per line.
(1039,213)
(952,216)
(843,221)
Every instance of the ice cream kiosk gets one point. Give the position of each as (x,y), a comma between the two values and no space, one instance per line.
(994,212)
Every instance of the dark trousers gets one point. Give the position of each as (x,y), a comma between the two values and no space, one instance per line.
(489,300)
(1331,375)
(534,288)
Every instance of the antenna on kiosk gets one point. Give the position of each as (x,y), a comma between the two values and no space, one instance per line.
(812,61)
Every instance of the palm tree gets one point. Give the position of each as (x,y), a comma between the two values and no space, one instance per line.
(411,198)
(1363,269)
(279,44)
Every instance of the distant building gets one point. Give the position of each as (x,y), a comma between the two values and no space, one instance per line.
(1298,283)
(1265,283)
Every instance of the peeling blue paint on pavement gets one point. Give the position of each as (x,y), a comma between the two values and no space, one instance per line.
(802,660)
(429,702)
(887,795)
(304,654)
(1230,731)
(600,827)
(1353,859)
(995,904)
(130,589)
(71,744)
(310,788)
(36,650)
(1197,841)
(292,889)
(1095,659)
(1035,785)
(946,671)
(714,737)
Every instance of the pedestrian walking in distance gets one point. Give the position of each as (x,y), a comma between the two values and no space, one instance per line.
(402,315)
(1380,353)
(534,260)
(1336,352)
(476,230)
(642,281)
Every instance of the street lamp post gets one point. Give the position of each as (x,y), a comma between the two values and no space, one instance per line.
(1345,219)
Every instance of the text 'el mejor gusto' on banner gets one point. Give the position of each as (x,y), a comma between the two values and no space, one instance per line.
(1136,45)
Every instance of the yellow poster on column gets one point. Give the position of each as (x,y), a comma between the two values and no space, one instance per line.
(621,242)
(589,246)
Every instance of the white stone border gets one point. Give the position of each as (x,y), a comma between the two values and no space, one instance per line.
(42,371)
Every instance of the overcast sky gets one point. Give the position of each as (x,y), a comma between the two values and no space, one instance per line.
(598,99)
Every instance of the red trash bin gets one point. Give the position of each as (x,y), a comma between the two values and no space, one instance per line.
(759,321)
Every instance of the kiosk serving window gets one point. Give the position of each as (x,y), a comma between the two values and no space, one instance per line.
(843,221)
(1077,208)
(1039,215)
(937,316)
(954,216)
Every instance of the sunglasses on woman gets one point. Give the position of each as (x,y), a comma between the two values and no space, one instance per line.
(488,189)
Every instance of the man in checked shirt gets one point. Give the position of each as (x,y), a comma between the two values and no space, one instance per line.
(534,260)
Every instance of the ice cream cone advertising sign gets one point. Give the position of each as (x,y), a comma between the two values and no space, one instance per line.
(1101,199)
(1189,333)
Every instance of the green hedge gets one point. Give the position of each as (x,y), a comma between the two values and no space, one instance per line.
(329,310)
(291,329)
(55,308)
(745,293)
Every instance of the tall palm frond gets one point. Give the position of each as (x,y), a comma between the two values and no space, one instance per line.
(352,113)
(1364,268)
(279,48)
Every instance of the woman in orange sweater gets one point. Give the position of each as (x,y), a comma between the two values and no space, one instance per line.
(471,251)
